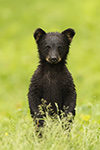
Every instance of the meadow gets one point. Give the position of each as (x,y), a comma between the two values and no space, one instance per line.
(19,59)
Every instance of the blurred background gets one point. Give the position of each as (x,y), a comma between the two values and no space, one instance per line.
(18,50)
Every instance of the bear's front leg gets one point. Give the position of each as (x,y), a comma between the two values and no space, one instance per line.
(34,98)
(36,115)
(69,104)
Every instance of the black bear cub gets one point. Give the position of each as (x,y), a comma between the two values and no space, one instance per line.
(52,81)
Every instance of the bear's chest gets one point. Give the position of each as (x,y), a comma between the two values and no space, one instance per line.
(52,91)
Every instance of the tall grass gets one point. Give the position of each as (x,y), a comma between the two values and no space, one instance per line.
(18,132)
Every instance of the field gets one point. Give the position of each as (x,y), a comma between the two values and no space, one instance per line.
(19,59)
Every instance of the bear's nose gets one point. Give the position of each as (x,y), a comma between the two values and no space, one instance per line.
(53,59)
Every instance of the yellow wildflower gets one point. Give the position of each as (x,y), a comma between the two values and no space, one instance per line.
(85,117)
(6,134)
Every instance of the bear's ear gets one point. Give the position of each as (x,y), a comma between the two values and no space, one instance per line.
(69,33)
(38,34)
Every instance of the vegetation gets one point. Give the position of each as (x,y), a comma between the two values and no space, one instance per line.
(19,59)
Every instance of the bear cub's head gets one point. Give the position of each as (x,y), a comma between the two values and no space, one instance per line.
(53,47)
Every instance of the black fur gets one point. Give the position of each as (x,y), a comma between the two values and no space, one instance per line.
(52,81)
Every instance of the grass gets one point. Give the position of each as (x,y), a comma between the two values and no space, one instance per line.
(19,59)
(18,132)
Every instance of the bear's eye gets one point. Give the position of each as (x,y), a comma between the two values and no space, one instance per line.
(60,48)
(47,48)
